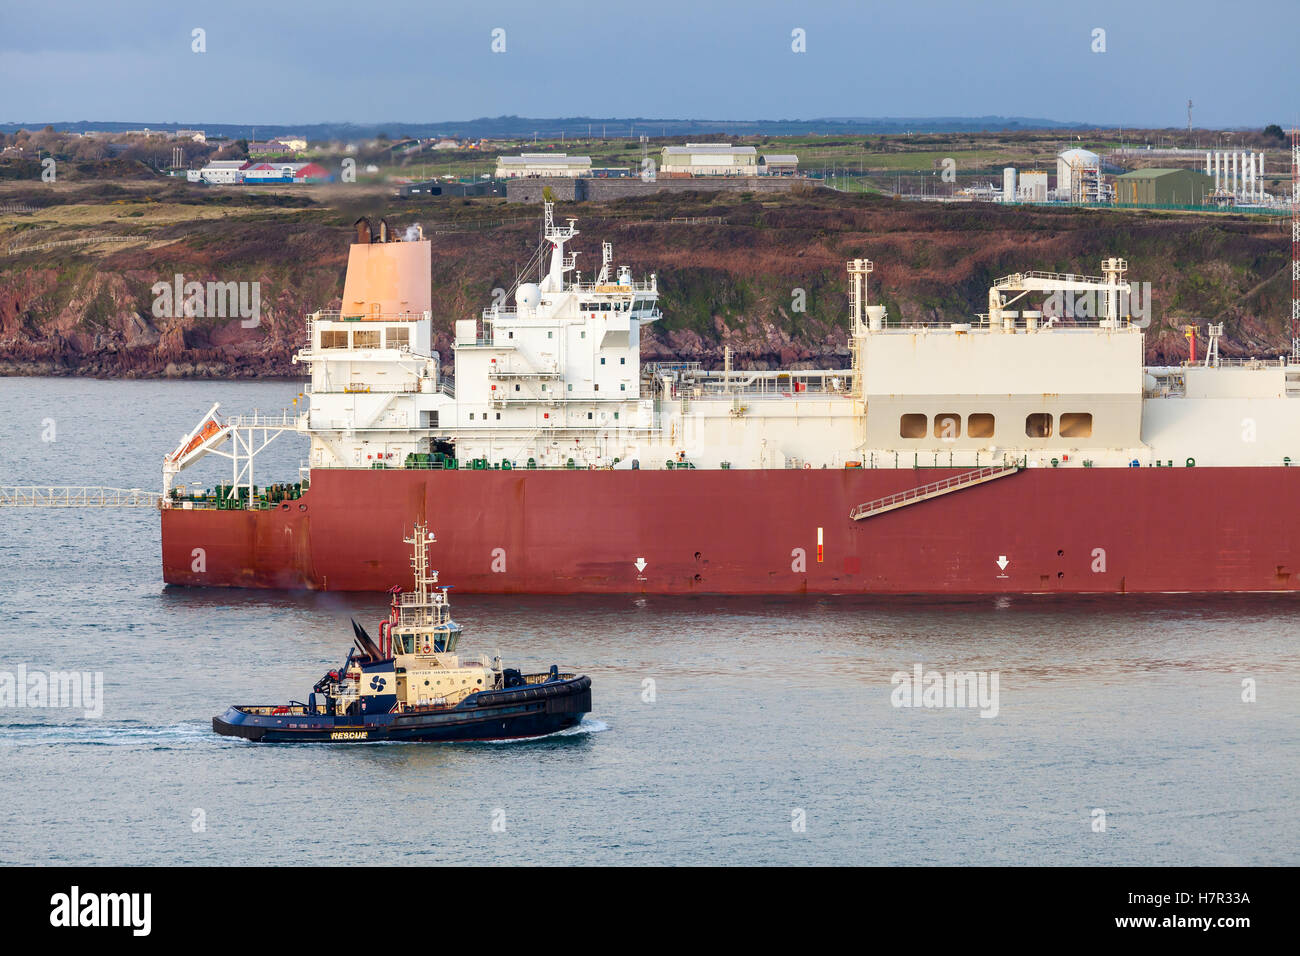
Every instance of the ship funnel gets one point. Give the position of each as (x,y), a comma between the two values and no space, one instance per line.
(362,227)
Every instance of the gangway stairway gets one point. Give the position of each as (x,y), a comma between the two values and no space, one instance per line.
(68,496)
(901,499)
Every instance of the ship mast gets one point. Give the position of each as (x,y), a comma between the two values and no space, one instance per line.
(425,580)
(858,270)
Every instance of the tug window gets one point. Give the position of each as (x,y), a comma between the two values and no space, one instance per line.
(1076,425)
(979,425)
(911,426)
(1038,425)
(947,425)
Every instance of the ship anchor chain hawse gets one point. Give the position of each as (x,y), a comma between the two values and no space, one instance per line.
(1023,451)
(410,685)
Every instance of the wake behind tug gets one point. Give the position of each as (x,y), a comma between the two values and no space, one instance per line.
(412,687)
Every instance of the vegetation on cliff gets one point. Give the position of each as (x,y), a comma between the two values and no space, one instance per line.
(78,263)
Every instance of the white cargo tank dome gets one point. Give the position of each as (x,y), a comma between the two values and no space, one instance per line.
(528,296)
(1080,157)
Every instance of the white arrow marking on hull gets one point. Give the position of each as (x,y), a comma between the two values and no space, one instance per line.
(1003,562)
(640,564)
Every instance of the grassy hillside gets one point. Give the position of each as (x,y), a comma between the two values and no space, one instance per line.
(73,303)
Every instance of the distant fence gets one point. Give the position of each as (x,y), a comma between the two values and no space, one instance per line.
(15,250)
(1125,206)
(1246,211)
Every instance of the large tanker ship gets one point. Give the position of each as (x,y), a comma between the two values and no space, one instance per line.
(1028,450)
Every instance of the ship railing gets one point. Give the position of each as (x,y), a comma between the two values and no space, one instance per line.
(1053,276)
(340,316)
(282,710)
(1280,362)
(50,496)
(656,367)
(363,388)
(283,420)
(721,386)
(934,488)
(613,286)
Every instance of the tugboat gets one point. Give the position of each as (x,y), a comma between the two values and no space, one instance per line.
(411,686)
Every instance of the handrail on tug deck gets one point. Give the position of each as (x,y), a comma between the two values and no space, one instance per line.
(934,489)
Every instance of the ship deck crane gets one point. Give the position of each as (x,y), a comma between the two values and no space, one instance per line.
(1111,284)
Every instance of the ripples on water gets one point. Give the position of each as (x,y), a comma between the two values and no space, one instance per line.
(761,708)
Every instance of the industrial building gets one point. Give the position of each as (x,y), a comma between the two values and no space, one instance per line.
(538,165)
(710,159)
(1079,178)
(222,172)
(263,173)
(778,164)
(1033,186)
(1164,187)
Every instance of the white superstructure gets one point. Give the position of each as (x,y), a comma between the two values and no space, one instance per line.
(550,376)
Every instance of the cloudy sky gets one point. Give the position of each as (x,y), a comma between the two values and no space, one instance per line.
(372,61)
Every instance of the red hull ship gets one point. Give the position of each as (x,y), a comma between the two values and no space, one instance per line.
(1026,451)
(754,532)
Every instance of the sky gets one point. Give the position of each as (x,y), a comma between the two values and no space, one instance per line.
(374,61)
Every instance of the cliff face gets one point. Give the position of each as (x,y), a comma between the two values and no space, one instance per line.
(768,282)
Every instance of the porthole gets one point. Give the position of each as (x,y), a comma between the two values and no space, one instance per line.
(912,426)
(979,425)
(1076,425)
(1038,425)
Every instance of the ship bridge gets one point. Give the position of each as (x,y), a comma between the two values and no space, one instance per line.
(548,375)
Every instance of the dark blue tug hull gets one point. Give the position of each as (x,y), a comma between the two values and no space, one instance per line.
(534,710)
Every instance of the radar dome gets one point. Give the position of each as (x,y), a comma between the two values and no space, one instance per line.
(528,296)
